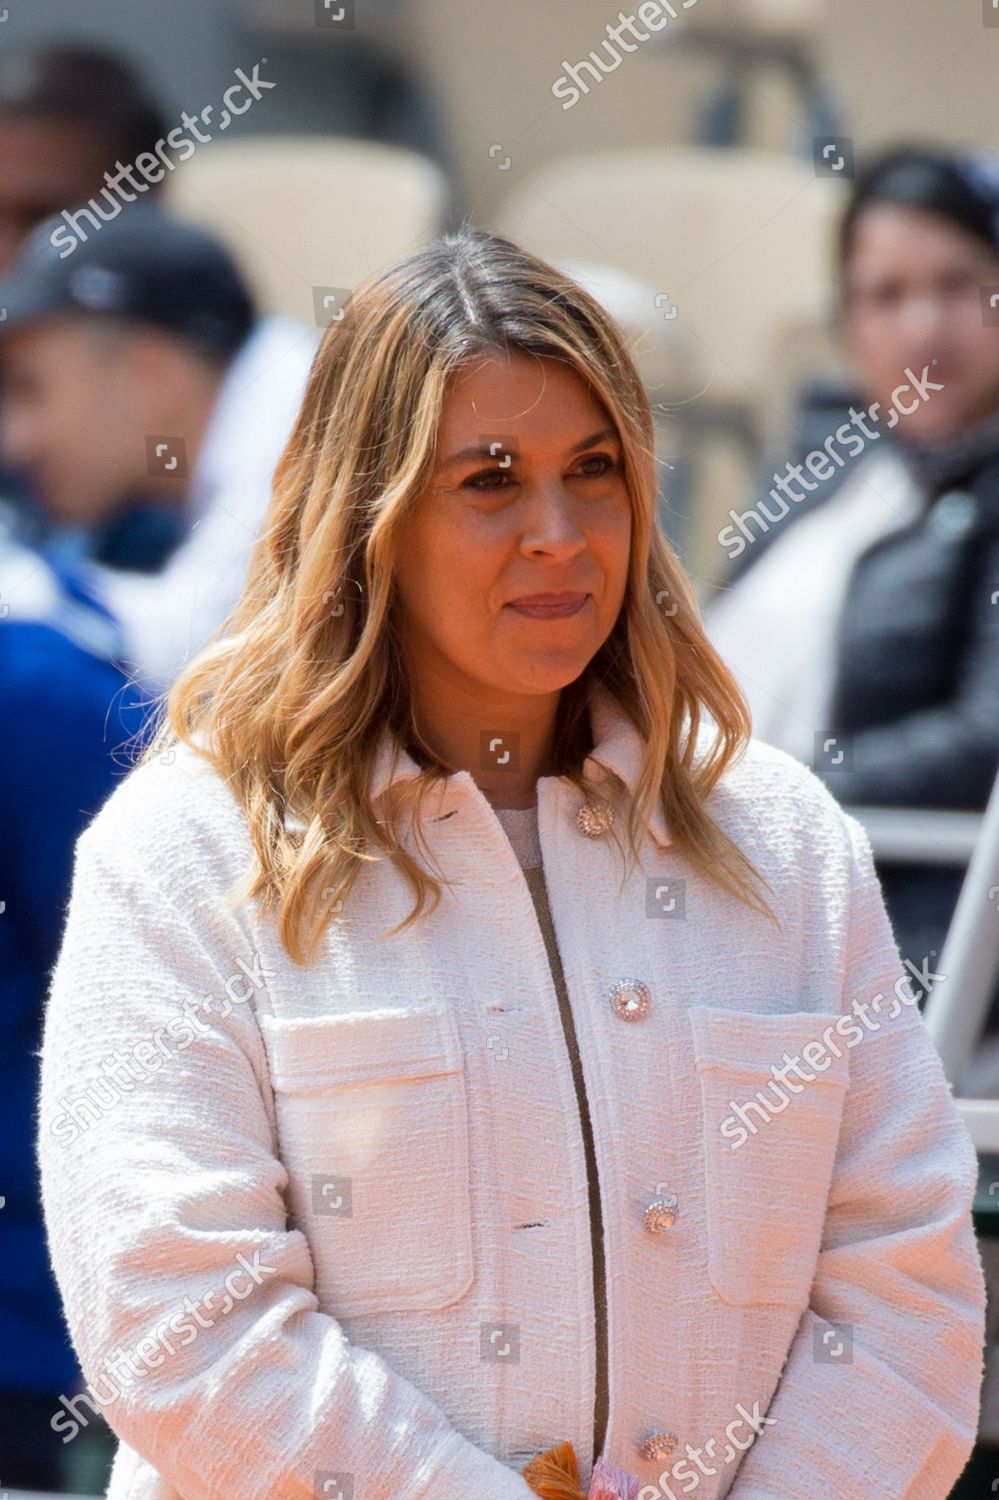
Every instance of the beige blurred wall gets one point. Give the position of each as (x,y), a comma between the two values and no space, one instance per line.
(901,67)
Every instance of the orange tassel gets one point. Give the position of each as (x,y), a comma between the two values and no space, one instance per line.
(554,1474)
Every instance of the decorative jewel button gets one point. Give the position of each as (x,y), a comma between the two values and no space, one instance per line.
(631,999)
(594,819)
(659,1445)
(660,1214)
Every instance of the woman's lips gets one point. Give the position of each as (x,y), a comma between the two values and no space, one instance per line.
(548,606)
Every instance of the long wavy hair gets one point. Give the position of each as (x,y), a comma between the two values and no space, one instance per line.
(290,697)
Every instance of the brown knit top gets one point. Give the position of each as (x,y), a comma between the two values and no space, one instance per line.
(521,827)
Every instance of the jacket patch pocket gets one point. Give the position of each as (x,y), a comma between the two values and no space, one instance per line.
(373,1120)
(769,1147)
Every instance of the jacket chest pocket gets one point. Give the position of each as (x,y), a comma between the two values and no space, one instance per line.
(373,1120)
(769,1147)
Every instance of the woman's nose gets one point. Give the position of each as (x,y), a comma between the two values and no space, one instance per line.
(550,520)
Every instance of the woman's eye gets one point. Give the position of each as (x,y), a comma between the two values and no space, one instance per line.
(481,481)
(604,464)
(593,466)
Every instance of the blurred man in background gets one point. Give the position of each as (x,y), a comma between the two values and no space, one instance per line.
(137,377)
(67,114)
(136,370)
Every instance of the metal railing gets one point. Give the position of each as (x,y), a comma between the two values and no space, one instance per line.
(956,1007)
(37,1495)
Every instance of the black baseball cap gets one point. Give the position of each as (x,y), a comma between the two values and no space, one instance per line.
(145,266)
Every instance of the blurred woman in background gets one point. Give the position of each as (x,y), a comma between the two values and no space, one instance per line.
(862,621)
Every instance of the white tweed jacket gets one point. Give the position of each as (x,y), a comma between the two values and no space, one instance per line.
(323,1230)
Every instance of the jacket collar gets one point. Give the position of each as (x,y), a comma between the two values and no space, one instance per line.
(617,746)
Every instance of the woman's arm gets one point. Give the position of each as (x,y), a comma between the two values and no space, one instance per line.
(887,1402)
(189,1301)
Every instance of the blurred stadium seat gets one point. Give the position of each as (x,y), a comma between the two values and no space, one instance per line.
(307,212)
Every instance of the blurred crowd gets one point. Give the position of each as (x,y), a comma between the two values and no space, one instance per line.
(144,401)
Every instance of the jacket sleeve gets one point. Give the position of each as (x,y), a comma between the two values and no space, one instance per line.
(190,1302)
(946,755)
(895,1412)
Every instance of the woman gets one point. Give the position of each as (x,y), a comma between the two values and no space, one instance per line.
(467,1101)
(860,617)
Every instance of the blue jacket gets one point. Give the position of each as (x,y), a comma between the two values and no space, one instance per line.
(67,709)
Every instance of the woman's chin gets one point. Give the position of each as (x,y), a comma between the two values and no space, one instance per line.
(549,673)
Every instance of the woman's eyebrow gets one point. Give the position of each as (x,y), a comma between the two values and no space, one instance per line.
(486,449)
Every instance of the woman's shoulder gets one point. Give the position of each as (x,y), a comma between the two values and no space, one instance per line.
(782,814)
(174,812)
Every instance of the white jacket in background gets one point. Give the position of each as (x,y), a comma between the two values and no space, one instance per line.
(334,1220)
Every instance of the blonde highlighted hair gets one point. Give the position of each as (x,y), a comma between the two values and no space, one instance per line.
(289,699)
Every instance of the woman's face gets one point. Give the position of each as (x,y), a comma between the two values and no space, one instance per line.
(528,498)
(916,295)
